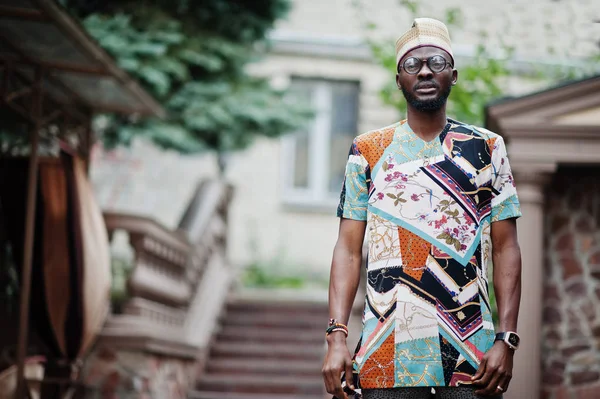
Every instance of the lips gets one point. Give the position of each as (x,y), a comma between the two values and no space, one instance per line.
(426,88)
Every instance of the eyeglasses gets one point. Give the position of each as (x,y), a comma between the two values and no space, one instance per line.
(436,64)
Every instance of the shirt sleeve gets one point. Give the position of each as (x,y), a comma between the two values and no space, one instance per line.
(505,202)
(355,190)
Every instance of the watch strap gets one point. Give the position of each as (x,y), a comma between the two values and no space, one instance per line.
(504,337)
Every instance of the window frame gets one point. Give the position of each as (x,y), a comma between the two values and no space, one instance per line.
(317,196)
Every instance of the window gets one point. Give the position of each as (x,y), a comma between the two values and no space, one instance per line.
(314,160)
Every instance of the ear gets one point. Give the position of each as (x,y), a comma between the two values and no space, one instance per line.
(454,76)
(398,81)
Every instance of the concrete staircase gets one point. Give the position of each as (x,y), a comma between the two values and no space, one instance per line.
(267,349)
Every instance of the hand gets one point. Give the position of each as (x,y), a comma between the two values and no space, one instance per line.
(495,370)
(337,361)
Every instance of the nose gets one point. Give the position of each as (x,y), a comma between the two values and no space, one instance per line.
(425,73)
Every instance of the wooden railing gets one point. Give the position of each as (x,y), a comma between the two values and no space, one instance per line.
(162,298)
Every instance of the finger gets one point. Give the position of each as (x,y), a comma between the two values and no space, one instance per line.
(336,382)
(485,379)
(349,375)
(491,387)
(480,371)
(328,381)
(339,392)
(504,383)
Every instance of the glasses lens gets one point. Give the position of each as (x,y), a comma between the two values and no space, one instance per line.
(412,65)
(437,63)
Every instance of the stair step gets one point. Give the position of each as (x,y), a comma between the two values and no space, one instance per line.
(267,351)
(241,395)
(272,335)
(320,309)
(265,367)
(274,320)
(258,384)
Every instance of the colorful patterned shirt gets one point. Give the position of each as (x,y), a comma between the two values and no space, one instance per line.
(429,208)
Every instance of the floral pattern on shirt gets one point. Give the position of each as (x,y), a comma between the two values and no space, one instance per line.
(429,207)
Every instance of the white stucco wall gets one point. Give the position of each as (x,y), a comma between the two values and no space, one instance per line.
(147,181)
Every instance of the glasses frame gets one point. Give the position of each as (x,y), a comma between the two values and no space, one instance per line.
(426,61)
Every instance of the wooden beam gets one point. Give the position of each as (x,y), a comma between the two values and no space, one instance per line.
(16,76)
(36,112)
(27,14)
(6,78)
(24,91)
(547,98)
(53,80)
(90,48)
(61,85)
(56,65)
(548,131)
(122,110)
(87,143)
(19,110)
(53,115)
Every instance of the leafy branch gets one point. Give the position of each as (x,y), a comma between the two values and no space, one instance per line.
(192,57)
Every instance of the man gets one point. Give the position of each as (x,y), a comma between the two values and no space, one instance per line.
(440,205)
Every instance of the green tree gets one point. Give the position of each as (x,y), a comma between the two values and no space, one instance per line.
(192,56)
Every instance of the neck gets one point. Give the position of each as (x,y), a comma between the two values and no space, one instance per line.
(427,125)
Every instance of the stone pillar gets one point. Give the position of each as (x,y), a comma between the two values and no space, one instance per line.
(571,316)
(527,367)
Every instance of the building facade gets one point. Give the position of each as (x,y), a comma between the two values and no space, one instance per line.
(288,189)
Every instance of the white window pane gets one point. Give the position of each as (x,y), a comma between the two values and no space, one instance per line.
(301,165)
(343,130)
(301,93)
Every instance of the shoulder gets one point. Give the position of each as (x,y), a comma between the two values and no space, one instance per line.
(476,131)
(372,144)
(377,134)
(376,138)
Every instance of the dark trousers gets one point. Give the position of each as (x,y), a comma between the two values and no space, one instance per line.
(424,393)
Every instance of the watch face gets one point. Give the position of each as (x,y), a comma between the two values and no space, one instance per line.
(513,339)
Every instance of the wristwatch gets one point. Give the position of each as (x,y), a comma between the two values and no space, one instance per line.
(510,338)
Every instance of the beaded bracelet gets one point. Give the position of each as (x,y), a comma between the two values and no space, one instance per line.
(345,331)
(335,326)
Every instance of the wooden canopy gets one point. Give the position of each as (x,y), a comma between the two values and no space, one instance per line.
(39,34)
(52,73)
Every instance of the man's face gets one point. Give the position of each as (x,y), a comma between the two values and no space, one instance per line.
(426,90)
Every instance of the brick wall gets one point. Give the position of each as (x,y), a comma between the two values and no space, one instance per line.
(571,315)
(123,374)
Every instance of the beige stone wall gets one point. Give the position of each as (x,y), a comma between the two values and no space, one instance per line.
(533,28)
(571,315)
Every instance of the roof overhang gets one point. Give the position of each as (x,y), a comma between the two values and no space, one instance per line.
(557,126)
(77,71)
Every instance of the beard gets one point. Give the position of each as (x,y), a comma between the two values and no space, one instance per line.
(427,105)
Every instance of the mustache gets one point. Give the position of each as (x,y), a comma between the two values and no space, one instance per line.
(426,84)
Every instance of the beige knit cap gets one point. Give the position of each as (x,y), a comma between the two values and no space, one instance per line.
(424,32)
